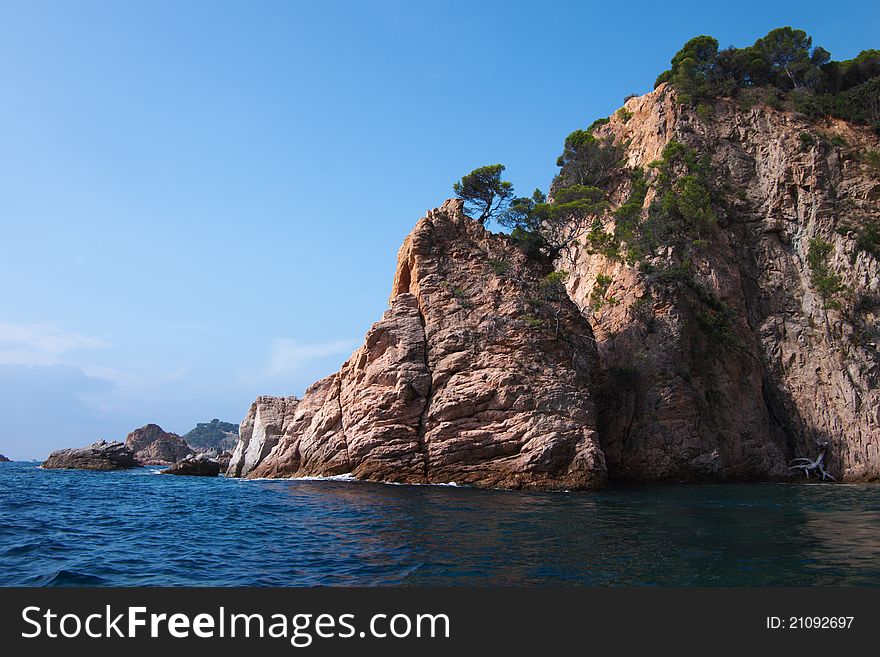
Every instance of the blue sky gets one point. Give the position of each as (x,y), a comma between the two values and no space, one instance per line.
(202,201)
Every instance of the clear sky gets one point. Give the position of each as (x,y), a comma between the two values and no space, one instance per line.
(202,201)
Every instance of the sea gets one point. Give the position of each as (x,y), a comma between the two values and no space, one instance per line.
(141,528)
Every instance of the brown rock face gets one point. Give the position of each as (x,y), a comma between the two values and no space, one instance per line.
(153,446)
(3,459)
(678,403)
(474,375)
(224,459)
(719,357)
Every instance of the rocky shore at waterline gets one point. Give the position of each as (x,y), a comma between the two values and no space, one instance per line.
(148,445)
(195,466)
(101,455)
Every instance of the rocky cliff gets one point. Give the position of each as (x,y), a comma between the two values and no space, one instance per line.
(259,432)
(153,446)
(479,373)
(764,343)
(718,348)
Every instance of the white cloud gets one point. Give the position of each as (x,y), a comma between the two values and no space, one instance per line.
(137,374)
(288,355)
(35,343)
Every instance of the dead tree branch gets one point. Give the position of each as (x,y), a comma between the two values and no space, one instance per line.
(817,466)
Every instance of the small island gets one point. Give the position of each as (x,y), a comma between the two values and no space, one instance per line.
(149,445)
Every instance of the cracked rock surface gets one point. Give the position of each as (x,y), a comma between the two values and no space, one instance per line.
(463,380)
(676,404)
(477,375)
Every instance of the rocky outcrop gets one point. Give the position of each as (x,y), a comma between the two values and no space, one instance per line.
(153,446)
(224,459)
(689,393)
(195,466)
(726,353)
(97,456)
(259,432)
(479,373)
(3,459)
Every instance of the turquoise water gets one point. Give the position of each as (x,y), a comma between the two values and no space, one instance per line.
(139,528)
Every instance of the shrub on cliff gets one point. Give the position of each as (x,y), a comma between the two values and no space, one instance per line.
(868,239)
(859,104)
(549,228)
(485,194)
(587,160)
(827,283)
(683,208)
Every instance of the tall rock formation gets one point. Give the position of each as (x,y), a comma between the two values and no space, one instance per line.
(744,365)
(719,354)
(259,433)
(479,373)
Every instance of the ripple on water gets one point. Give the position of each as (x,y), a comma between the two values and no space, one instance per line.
(69,528)
(65,577)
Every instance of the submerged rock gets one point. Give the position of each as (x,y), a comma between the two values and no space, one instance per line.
(97,456)
(199,466)
(153,446)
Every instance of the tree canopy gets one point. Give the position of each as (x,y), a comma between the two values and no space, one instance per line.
(485,194)
(785,60)
(586,159)
(549,228)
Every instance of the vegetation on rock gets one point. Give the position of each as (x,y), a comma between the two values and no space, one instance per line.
(485,194)
(784,67)
(826,282)
(214,434)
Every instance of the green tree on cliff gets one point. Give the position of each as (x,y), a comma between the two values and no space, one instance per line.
(485,194)
(586,160)
(551,227)
(693,67)
(790,56)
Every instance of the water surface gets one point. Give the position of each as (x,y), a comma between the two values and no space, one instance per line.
(137,527)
